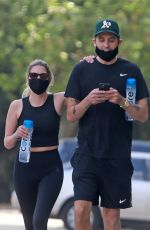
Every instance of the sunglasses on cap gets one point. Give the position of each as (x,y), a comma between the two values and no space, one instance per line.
(43,76)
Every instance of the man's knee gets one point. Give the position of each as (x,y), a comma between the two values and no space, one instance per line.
(82,210)
(111,219)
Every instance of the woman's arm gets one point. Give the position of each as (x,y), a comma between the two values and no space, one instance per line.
(59,102)
(11,132)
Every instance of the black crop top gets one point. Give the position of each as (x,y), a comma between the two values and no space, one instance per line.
(45,121)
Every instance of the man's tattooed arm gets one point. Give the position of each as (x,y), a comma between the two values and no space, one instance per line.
(76,109)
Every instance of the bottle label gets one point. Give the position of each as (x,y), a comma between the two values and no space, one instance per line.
(25,148)
(130,95)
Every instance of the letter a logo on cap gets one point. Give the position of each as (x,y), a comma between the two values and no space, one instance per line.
(106,24)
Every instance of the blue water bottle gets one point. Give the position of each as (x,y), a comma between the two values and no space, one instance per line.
(130,95)
(25,146)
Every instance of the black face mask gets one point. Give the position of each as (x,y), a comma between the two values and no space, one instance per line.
(38,86)
(106,55)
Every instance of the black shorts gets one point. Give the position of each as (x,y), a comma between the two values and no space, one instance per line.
(104,180)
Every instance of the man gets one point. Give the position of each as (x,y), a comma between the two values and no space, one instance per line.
(102,162)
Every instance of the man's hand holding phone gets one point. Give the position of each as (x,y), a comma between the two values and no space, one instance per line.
(99,94)
(112,94)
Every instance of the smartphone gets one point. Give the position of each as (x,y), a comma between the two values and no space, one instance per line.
(104,86)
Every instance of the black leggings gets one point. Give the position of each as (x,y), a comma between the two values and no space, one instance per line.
(37,186)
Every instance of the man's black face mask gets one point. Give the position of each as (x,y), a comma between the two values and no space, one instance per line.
(106,55)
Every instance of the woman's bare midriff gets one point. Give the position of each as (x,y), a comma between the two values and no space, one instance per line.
(42,149)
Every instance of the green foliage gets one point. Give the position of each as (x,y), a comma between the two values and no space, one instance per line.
(61,33)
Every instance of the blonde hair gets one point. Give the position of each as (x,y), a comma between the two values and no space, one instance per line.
(36,62)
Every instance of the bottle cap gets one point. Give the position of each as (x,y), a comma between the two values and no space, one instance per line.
(28,124)
(131,81)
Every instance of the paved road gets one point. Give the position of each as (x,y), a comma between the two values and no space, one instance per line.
(12,220)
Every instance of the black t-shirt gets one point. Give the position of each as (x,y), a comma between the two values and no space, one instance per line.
(103,131)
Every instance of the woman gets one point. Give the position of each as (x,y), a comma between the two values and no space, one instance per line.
(38,182)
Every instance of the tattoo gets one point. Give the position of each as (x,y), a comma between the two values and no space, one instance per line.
(74,110)
(72,103)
